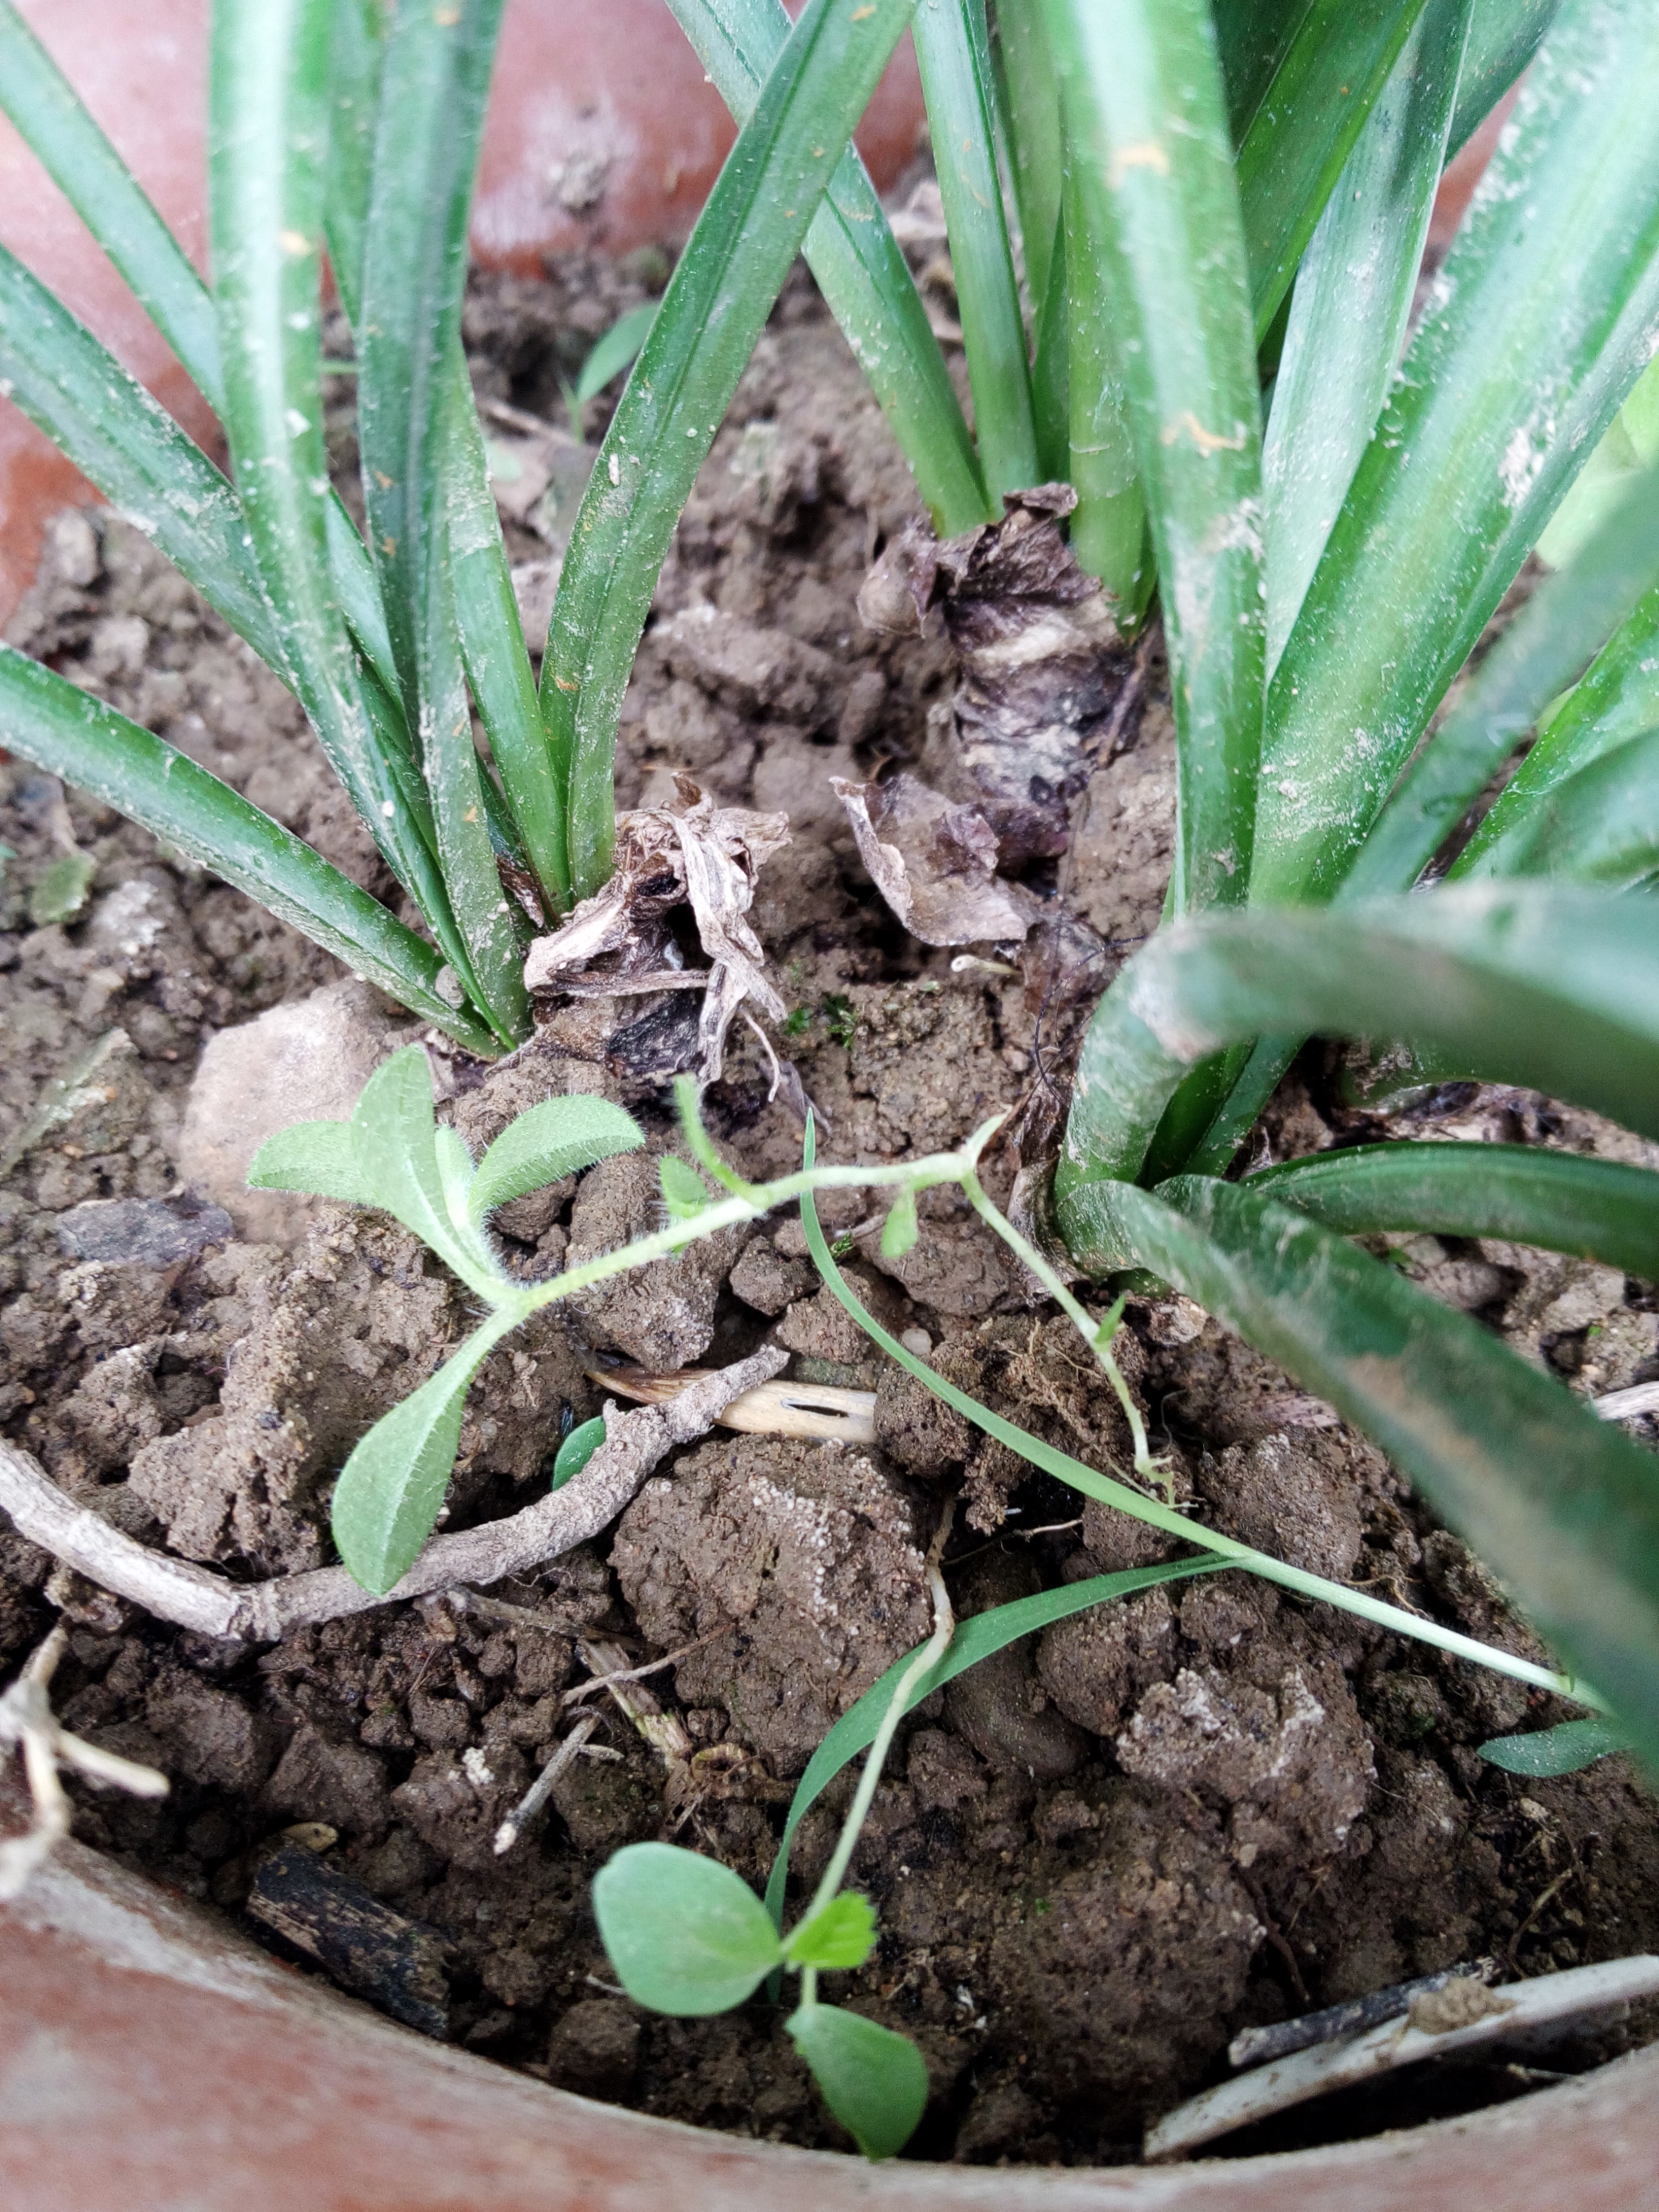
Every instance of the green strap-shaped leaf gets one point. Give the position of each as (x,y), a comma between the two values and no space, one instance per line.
(388,1498)
(1554,988)
(1503,36)
(719,295)
(1563,1509)
(558,1138)
(614,351)
(1144,102)
(1544,649)
(1301,134)
(434,82)
(75,391)
(1617,701)
(1567,1749)
(493,648)
(1600,826)
(953,51)
(52,118)
(67,731)
(1036,151)
(873,2080)
(1560,1201)
(686,1934)
(357,58)
(1252,37)
(86,167)
(317,1157)
(266,170)
(1349,309)
(1108,524)
(975,1640)
(861,272)
(1536,328)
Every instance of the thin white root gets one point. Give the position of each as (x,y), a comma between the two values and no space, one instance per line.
(1628,1405)
(193,1597)
(26,1718)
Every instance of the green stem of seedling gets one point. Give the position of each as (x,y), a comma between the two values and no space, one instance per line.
(929,1656)
(1126,1499)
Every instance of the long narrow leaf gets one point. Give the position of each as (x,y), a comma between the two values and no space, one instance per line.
(1617,701)
(1109,1492)
(357,59)
(1032,93)
(864,278)
(69,733)
(682,383)
(1503,36)
(953,51)
(75,391)
(1333,69)
(435,80)
(1349,309)
(1600,826)
(1563,1509)
(1537,328)
(51,117)
(1545,648)
(1555,989)
(1144,101)
(1109,525)
(981,1637)
(497,661)
(489,922)
(265,178)
(1559,1202)
(1251,36)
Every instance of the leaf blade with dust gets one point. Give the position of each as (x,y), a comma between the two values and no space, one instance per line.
(873,2081)
(556,1138)
(686,1935)
(388,1498)
(1566,1749)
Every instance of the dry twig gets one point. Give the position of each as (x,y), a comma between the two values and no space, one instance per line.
(26,1718)
(193,1597)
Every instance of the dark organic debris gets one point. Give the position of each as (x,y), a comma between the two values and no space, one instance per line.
(619,944)
(934,863)
(1043,664)
(395,1963)
(1257,2045)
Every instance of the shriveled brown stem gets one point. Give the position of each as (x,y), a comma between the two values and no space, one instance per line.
(194,1597)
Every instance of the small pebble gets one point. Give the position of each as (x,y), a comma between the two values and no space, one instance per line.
(917,1340)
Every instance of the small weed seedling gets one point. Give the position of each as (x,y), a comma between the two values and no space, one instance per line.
(687,1935)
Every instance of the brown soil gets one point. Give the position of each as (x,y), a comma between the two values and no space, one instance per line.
(1095,1858)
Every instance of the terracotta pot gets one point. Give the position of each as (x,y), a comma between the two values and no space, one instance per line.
(152,2061)
(603,131)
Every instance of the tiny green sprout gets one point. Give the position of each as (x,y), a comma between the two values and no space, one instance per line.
(60,891)
(1565,1749)
(687,1935)
(684,1195)
(901,1229)
(842,1020)
(578,1448)
(798,1021)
